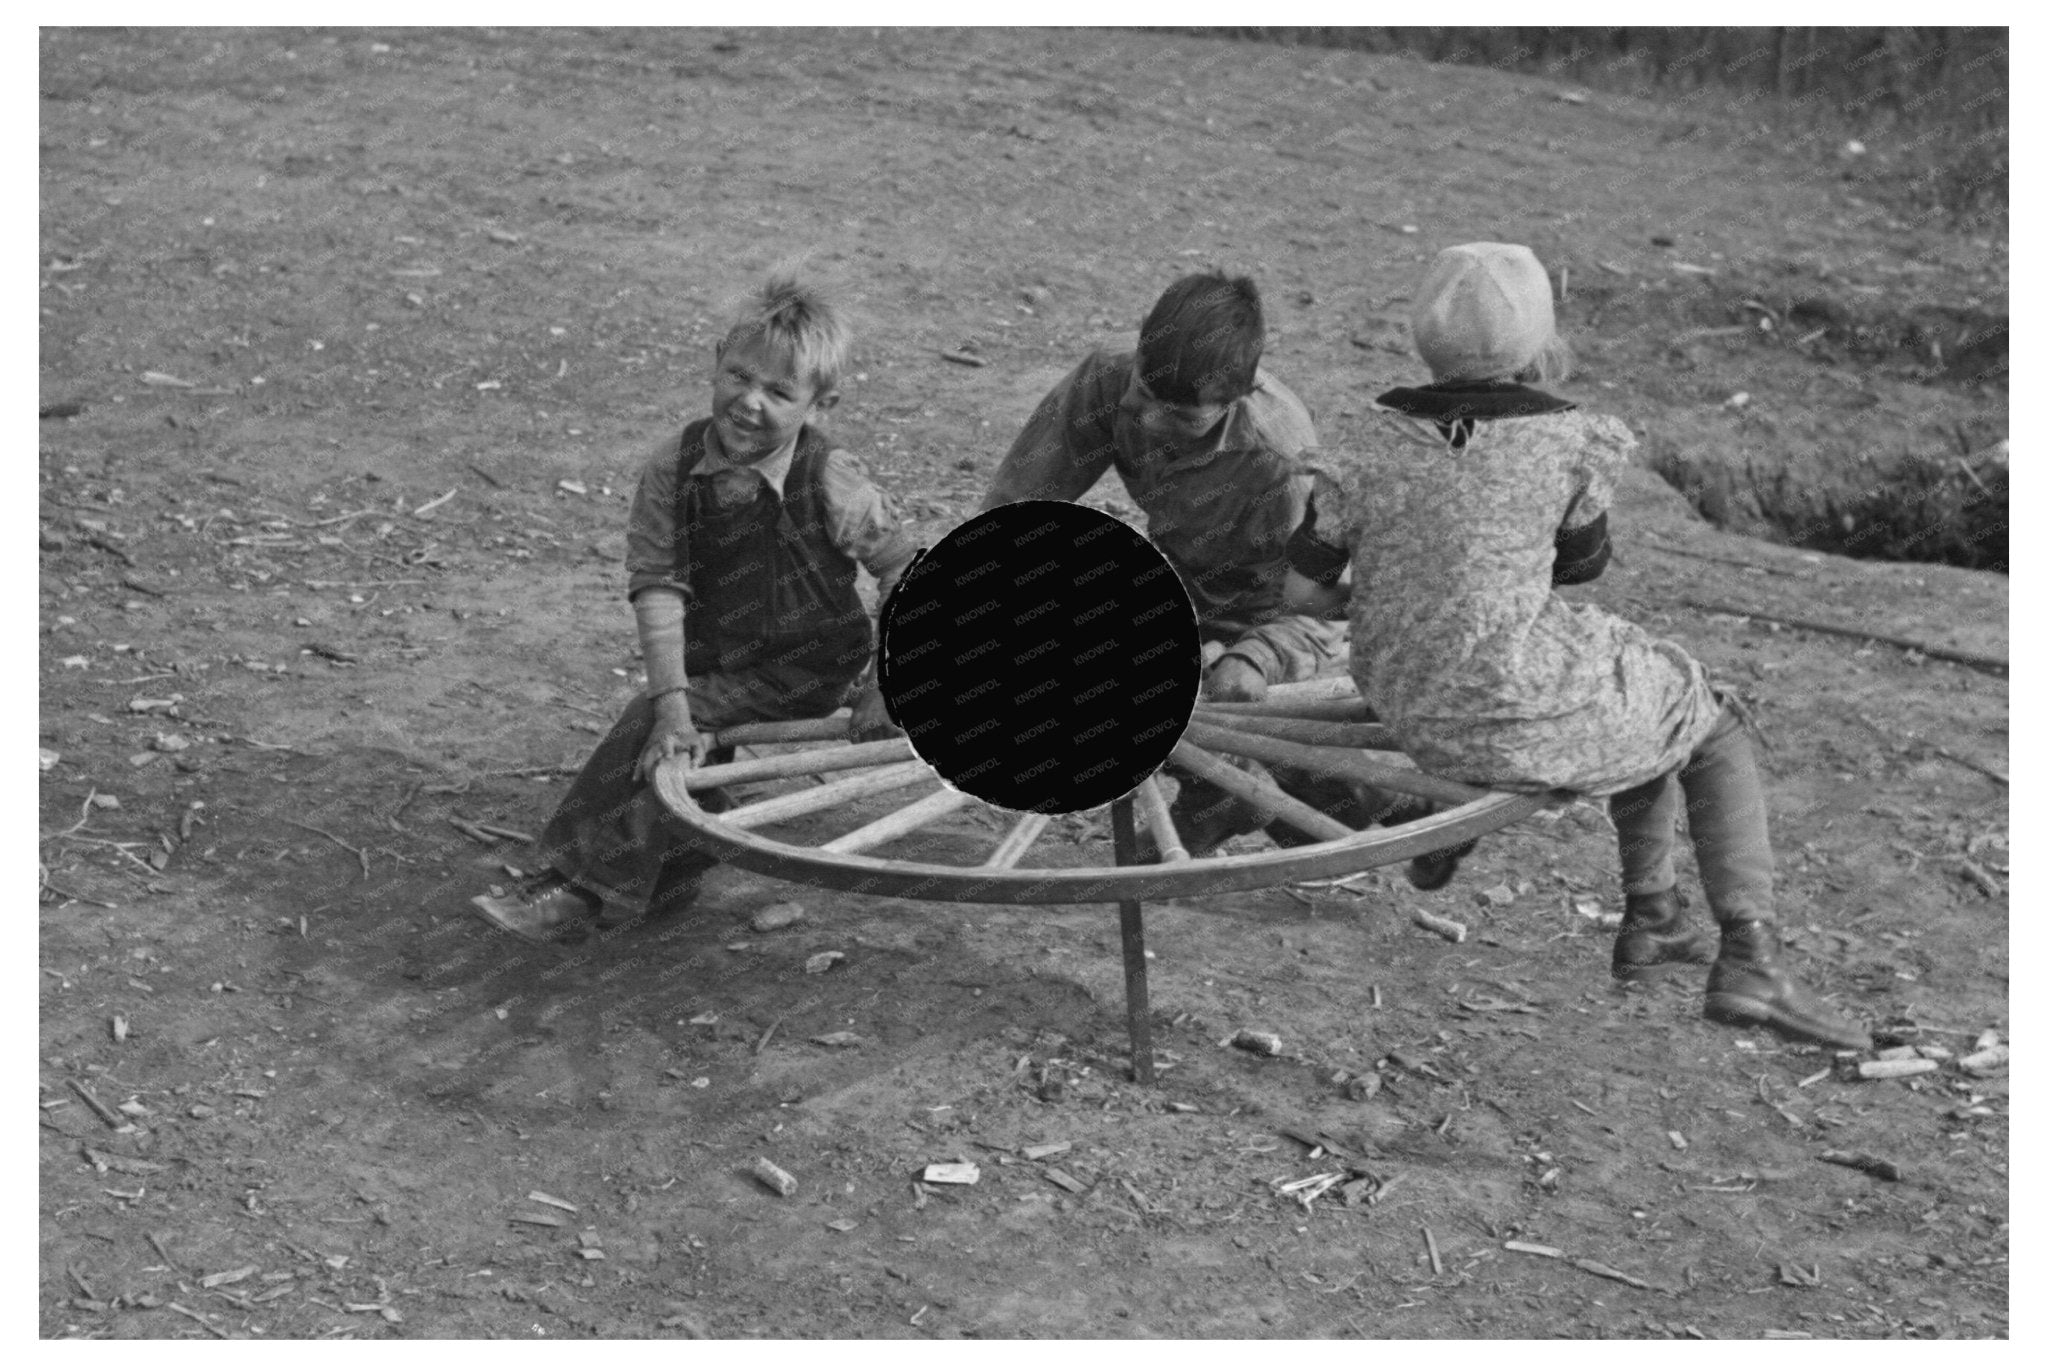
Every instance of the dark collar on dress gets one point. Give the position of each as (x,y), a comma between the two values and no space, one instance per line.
(1473,400)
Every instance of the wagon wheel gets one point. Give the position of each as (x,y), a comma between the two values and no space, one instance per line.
(1324,735)
(1320,734)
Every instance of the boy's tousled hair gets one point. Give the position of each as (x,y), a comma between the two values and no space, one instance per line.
(1208,329)
(796,320)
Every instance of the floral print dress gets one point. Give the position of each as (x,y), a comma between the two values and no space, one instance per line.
(1483,673)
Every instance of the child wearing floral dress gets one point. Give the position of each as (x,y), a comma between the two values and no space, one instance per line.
(1477,495)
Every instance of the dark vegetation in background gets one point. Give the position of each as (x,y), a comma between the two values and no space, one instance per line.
(1952,510)
(1943,507)
(1929,108)
(1902,500)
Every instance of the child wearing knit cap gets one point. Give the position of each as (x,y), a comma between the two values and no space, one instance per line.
(1478,494)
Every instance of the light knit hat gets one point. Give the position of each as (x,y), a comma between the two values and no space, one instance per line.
(1483,311)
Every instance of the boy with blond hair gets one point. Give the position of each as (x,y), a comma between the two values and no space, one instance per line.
(741,554)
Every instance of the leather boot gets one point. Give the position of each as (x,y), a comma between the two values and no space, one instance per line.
(1654,938)
(1425,872)
(1748,986)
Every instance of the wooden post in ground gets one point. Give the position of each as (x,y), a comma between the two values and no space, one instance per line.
(1137,993)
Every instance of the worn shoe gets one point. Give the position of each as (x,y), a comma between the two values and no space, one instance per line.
(1654,938)
(1426,872)
(1432,872)
(1749,987)
(539,918)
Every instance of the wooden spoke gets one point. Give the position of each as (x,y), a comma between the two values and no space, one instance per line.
(799,764)
(1020,838)
(897,824)
(1261,794)
(1040,886)
(1336,734)
(1317,726)
(823,798)
(1159,821)
(1306,709)
(1333,763)
(785,732)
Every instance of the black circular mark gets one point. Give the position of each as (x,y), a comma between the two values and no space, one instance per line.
(1042,657)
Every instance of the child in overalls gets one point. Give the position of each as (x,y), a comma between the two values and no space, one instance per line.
(1455,517)
(741,555)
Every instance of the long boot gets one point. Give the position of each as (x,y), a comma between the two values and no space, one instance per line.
(1654,938)
(1724,803)
(1748,986)
(1432,871)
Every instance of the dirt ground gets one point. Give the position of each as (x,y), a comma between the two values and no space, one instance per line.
(366,331)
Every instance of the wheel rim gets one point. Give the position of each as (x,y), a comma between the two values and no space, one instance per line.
(855,860)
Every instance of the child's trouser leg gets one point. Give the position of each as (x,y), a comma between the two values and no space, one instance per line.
(594,825)
(607,835)
(611,834)
(1725,811)
(1724,805)
(1654,937)
(1646,830)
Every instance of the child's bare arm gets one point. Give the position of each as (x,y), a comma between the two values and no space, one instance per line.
(658,612)
(657,597)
